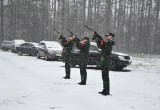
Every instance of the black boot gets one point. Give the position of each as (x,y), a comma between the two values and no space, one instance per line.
(104,92)
(66,77)
(82,83)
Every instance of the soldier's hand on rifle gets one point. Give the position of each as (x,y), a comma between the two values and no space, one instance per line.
(84,41)
(93,33)
(71,38)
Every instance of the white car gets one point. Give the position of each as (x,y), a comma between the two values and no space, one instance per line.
(50,50)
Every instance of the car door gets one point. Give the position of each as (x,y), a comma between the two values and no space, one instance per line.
(94,55)
(29,49)
(22,48)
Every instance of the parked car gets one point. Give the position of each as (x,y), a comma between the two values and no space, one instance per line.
(118,60)
(29,48)
(6,45)
(50,50)
(16,43)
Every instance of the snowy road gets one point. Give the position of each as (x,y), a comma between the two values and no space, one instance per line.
(27,83)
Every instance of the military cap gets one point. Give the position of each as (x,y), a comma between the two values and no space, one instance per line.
(111,34)
(86,38)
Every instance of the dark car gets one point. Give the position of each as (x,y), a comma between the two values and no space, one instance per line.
(28,48)
(6,45)
(50,50)
(118,60)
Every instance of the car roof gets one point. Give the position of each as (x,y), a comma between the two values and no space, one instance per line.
(7,41)
(47,41)
(18,41)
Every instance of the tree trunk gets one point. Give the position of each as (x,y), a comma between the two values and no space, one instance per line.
(2,21)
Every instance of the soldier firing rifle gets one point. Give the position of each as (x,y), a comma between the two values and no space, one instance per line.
(106,48)
(68,45)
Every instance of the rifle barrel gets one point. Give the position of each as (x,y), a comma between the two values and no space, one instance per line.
(88,28)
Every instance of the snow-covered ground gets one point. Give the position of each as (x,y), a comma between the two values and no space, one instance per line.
(27,83)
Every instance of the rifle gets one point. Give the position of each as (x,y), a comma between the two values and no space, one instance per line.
(88,28)
(93,31)
(76,40)
(63,39)
(70,32)
(57,32)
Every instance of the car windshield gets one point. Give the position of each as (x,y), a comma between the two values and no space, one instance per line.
(35,44)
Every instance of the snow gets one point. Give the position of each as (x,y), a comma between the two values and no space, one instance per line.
(28,83)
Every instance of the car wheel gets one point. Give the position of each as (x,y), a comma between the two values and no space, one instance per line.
(113,65)
(19,53)
(119,68)
(4,49)
(46,57)
(38,57)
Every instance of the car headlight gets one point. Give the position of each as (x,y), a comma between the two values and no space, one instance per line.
(58,53)
(121,57)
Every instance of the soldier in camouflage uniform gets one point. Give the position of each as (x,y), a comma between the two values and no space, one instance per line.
(83,45)
(106,49)
(68,45)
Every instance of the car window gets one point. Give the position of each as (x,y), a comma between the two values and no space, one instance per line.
(29,45)
(23,44)
(3,42)
(93,48)
(8,42)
